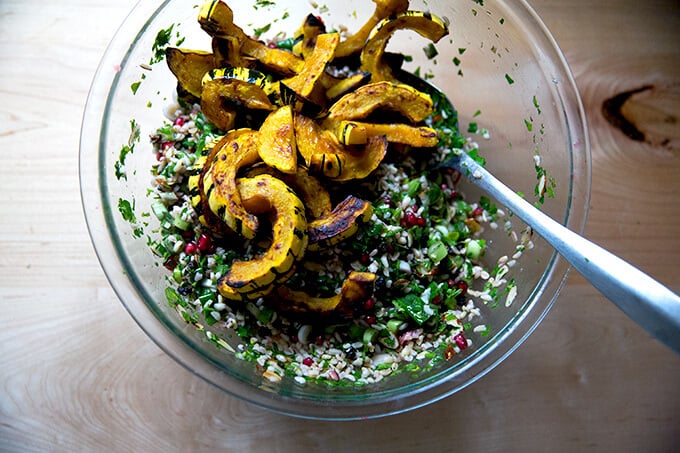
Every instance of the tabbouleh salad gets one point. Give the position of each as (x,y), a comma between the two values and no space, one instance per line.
(414,248)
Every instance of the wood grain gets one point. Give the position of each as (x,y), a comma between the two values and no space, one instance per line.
(77,374)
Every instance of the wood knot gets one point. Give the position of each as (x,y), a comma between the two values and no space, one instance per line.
(646,114)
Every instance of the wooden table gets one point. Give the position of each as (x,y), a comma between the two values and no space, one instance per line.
(76,373)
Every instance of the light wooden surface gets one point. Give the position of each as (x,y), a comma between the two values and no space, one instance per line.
(76,373)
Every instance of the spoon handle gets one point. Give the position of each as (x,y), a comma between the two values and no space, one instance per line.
(650,304)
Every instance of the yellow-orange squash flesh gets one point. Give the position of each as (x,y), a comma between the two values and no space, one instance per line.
(323,153)
(372,55)
(265,194)
(277,145)
(189,67)
(313,194)
(315,65)
(383,9)
(396,97)
(217,19)
(357,133)
(239,148)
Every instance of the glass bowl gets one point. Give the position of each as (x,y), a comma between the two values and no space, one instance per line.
(499,66)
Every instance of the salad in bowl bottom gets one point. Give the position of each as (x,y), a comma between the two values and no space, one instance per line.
(266,187)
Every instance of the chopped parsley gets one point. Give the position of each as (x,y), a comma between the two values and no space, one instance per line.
(262,4)
(262,30)
(160,43)
(126,210)
(430,51)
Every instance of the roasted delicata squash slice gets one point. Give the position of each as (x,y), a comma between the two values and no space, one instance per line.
(324,154)
(342,223)
(311,139)
(252,76)
(383,9)
(196,191)
(358,133)
(239,92)
(313,194)
(350,163)
(239,148)
(227,53)
(414,105)
(277,145)
(223,96)
(372,54)
(356,288)
(336,88)
(189,67)
(265,194)
(315,65)
(305,36)
(217,19)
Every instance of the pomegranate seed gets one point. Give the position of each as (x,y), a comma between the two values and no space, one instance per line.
(370,319)
(307,361)
(179,121)
(190,248)
(365,259)
(204,243)
(463,287)
(437,300)
(166,145)
(369,304)
(409,219)
(319,340)
(477,212)
(460,341)
(420,221)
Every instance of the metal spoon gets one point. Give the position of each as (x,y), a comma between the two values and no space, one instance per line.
(647,302)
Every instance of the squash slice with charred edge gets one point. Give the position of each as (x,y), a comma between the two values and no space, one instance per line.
(189,66)
(217,19)
(357,288)
(313,194)
(227,53)
(277,145)
(357,133)
(372,55)
(342,223)
(315,65)
(305,36)
(223,96)
(383,9)
(197,196)
(397,97)
(238,149)
(265,194)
